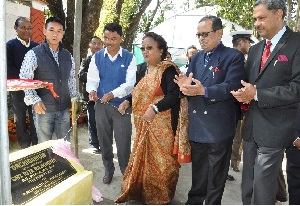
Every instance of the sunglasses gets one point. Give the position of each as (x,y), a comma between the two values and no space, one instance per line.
(148,48)
(203,34)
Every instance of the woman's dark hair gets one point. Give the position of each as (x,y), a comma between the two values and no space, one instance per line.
(162,44)
(113,27)
(169,53)
(55,19)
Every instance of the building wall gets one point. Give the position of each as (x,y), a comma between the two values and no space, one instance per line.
(38,23)
(13,11)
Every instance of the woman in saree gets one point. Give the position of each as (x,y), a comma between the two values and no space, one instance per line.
(160,118)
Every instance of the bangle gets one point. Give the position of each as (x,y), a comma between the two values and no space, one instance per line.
(154,108)
(295,141)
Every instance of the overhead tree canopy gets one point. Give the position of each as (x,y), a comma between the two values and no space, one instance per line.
(126,12)
(240,12)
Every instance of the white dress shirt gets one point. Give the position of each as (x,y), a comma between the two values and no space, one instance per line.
(93,79)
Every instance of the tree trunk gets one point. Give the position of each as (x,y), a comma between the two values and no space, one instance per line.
(90,22)
(297,24)
(56,8)
(119,5)
(289,12)
(130,31)
(69,34)
(149,23)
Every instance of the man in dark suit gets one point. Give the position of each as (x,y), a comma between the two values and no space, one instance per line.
(212,74)
(273,87)
(95,45)
(293,169)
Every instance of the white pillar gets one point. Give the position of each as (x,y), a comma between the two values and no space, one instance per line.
(5,193)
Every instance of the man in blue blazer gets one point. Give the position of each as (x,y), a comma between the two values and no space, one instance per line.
(273,90)
(212,74)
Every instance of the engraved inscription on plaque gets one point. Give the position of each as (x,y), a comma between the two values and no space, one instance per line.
(36,173)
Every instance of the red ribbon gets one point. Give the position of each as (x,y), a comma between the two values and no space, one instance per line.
(50,87)
(25,84)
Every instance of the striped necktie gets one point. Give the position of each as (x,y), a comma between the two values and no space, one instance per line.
(207,58)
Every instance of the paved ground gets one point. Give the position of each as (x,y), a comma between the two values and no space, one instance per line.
(232,193)
(93,162)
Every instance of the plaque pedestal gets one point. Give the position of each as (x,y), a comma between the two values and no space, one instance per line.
(40,177)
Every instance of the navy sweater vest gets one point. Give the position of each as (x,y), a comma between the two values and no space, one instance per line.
(112,74)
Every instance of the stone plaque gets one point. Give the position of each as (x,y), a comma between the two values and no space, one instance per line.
(36,173)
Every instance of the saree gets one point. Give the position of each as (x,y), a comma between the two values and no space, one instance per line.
(153,169)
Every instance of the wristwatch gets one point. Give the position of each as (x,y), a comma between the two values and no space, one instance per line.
(154,108)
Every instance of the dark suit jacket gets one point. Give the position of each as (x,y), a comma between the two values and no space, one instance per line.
(272,119)
(212,119)
(82,75)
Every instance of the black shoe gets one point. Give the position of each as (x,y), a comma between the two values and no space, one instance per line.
(97,151)
(281,199)
(107,180)
(235,168)
(230,178)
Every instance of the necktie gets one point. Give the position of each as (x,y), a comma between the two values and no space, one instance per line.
(265,55)
(207,58)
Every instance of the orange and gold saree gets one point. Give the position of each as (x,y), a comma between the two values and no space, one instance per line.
(153,169)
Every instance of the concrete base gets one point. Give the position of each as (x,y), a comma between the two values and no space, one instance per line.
(75,190)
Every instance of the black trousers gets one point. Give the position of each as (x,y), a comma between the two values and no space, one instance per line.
(20,109)
(92,129)
(293,180)
(210,165)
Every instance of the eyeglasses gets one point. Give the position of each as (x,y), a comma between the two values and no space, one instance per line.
(204,34)
(148,48)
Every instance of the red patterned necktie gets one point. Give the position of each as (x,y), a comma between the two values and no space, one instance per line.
(265,55)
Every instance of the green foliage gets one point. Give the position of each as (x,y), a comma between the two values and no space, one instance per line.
(129,10)
(47,13)
(160,19)
(240,11)
(108,14)
(200,3)
(145,20)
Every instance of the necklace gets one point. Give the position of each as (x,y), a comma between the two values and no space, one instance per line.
(150,68)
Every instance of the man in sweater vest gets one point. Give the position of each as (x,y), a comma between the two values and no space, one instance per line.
(50,62)
(15,51)
(111,78)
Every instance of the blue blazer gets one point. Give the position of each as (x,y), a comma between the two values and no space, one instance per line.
(212,119)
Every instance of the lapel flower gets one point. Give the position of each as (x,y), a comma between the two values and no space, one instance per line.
(217,69)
